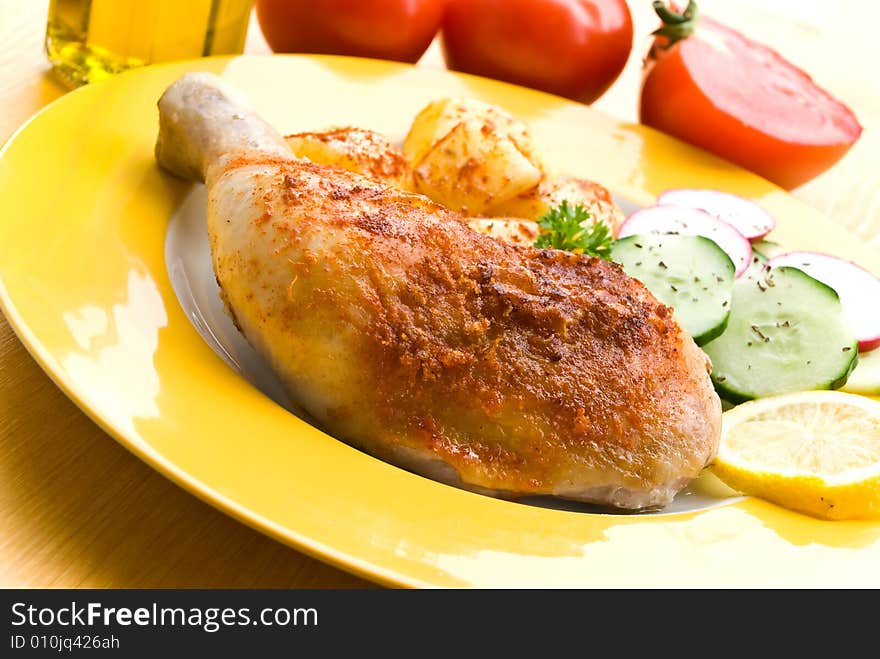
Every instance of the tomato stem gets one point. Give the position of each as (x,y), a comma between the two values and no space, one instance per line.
(676,25)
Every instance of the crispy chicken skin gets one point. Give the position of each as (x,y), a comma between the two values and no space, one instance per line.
(507,370)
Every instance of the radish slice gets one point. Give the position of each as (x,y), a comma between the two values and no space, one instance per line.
(742,214)
(858,289)
(690,222)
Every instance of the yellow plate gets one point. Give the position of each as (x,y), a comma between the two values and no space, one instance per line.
(86,285)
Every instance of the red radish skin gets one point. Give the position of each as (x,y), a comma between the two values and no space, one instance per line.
(744,215)
(858,289)
(693,222)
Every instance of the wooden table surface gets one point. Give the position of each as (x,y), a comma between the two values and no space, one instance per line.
(78,510)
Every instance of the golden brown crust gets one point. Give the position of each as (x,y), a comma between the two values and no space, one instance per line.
(551,191)
(365,152)
(529,371)
(513,230)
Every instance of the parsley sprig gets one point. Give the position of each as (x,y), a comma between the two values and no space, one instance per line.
(568,227)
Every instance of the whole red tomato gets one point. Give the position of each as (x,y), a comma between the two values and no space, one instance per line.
(717,89)
(398,30)
(573,48)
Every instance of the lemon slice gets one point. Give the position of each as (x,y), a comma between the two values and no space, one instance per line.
(817,452)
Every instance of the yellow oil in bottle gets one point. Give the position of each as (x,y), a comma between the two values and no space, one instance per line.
(87,40)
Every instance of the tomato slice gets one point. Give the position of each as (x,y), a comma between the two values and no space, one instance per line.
(742,100)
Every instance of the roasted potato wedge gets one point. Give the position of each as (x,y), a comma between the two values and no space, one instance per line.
(470,156)
(552,191)
(509,229)
(358,150)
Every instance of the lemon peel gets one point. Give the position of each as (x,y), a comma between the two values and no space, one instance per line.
(816,452)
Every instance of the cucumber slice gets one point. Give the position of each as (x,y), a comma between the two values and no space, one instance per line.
(859,290)
(787,332)
(691,274)
(689,222)
(865,379)
(758,267)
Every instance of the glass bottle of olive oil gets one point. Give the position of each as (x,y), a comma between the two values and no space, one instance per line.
(87,40)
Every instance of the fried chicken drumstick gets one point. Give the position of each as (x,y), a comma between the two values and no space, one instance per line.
(506,370)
